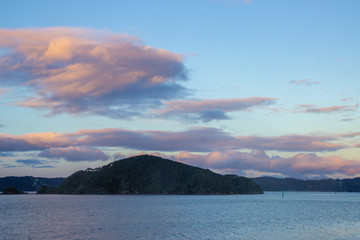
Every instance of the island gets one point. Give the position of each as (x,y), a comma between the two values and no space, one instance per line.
(147,174)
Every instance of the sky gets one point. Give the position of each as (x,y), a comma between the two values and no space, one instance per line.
(247,87)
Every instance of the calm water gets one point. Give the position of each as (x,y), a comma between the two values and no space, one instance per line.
(269,216)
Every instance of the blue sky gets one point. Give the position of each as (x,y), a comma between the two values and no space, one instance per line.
(260,87)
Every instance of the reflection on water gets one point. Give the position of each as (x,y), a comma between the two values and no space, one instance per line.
(269,216)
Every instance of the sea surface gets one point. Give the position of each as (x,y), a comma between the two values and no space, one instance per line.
(296,215)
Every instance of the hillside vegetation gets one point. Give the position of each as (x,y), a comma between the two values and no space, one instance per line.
(148,174)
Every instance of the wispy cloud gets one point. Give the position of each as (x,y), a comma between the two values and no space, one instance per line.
(331,109)
(306,82)
(2,90)
(34,163)
(74,153)
(6,154)
(193,140)
(213,109)
(87,71)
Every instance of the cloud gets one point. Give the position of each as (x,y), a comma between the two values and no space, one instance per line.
(351,135)
(331,109)
(212,109)
(292,143)
(34,163)
(306,82)
(74,153)
(6,154)
(300,165)
(347,119)
(192,140)
(210,115)
(87,71)
(2,125)
(3,91)
(196,139)
(32,141)
(204,147)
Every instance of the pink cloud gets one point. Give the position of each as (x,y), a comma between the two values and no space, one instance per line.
(220,150)
(76,70)
(193,140)
(300,165)
(32,141)
(74,153)
(307,108)
(351,135)
(291,143)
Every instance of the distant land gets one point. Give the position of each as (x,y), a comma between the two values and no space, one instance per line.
(28,183)
(148,174)
(323,185)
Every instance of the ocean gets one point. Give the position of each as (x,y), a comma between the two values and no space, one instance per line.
(294,215)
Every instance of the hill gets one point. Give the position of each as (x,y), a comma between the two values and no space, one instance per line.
(29,183)
(323,185)
(148,174)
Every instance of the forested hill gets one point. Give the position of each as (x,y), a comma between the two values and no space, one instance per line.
(29,183)
(148,174)
(323,185)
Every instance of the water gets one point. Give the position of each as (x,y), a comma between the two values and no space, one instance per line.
(327,216)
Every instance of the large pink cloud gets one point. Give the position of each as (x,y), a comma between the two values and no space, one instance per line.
(76,70)
(193,140)
(213,109)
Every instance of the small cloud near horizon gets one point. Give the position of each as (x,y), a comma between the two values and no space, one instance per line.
(306,82)
(309,108)
(74,153)
(34,163)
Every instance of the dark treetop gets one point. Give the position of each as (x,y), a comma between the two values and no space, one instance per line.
(148,174)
